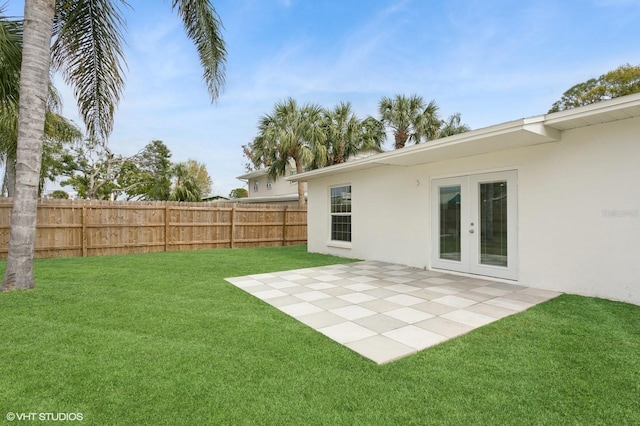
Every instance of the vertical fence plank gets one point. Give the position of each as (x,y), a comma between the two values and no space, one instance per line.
(84,231)
(233,225)
(284,226)
(166,227)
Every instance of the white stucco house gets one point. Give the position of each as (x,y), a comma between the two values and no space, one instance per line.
(550,202)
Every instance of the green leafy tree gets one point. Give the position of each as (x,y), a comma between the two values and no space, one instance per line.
(290,134)
(147,175)
(410,119)
(92,170)
(239,193)
(60,194)
(253,161)
(622,81)
(87,50)
(60,133)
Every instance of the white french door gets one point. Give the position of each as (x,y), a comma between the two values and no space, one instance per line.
(474,224)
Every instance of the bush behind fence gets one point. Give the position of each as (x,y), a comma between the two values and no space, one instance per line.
(67,228)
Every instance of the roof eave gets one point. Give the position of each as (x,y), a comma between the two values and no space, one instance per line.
(510,135)
(597,113)
(513,134)
(253,174)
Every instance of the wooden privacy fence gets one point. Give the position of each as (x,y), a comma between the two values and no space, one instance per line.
(68,228)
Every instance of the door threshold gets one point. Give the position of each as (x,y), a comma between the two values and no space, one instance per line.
(480,277)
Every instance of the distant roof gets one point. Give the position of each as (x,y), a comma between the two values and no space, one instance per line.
(214,198)
(269,199)
(262,172)
(253,174)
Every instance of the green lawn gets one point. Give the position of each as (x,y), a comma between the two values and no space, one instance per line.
(163,339)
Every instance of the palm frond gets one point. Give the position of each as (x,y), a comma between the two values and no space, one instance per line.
(203,26)
(10,59)
(88,51)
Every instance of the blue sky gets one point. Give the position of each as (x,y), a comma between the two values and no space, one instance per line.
(492,61)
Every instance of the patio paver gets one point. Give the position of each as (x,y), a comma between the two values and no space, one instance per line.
(384,311)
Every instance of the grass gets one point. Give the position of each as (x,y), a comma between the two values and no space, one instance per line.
(163,339)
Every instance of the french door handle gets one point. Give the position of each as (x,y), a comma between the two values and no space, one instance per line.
(471,231)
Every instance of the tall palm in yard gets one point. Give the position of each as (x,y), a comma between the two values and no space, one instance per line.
(346,135)
(410,119)
(87,49)
(291,133)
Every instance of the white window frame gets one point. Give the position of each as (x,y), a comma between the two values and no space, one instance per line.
(332,214)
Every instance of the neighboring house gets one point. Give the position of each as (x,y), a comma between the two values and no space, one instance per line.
(550,202)
(263,189)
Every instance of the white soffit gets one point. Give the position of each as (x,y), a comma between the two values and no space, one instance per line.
(601,112)
(515,134)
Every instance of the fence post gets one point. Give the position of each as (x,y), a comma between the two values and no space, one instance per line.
(233,224)
(84,229)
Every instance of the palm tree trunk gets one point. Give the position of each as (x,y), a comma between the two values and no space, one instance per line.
(34,79)
(401,137)
(341,153)
(302,201)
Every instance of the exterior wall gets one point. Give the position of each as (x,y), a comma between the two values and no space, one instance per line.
(578,207)
(278,187)
(269,188)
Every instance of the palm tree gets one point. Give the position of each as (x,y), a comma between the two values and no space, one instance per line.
(10,60)
(346,135)
(290,134)
(199,172)
(453,126)
(58,130)
(87,49)
(409,119)
(11,54)
(185,187)
(373,135)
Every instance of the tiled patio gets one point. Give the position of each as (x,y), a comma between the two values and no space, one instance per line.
(385,312)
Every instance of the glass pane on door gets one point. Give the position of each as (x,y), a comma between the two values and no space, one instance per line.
(450,223)
(493,223)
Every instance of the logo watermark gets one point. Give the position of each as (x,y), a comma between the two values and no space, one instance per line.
(44,417)
(621,213)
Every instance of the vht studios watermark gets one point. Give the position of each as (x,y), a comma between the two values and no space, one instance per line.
(621,213)
(45,417)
